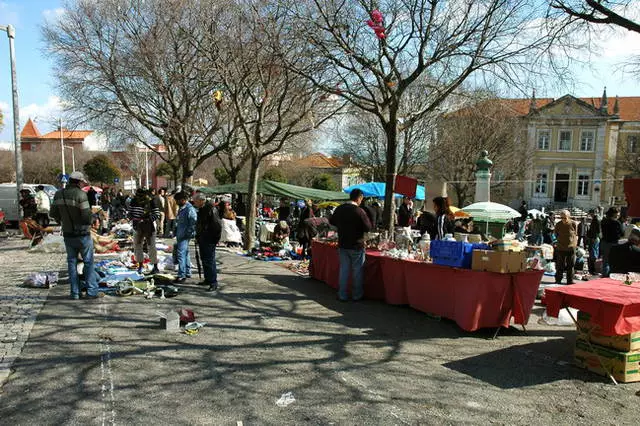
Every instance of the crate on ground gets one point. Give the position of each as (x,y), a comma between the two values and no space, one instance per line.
(623,366)
(587,330)
(454,253)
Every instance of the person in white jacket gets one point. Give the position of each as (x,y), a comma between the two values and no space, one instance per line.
(43,202)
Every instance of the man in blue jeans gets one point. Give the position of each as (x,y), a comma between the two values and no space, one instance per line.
(208,232)
(71,208)
(352,223)
(185,231)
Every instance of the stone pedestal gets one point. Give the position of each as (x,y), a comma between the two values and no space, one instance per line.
(483,186)
(483,178)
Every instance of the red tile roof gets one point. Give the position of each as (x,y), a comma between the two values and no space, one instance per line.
(629,106)
(30,130)
(67,134)
(319,160)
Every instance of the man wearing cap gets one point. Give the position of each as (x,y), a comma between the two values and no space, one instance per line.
(208,232)
(185,231)
(71,208)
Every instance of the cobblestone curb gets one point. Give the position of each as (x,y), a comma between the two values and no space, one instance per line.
(20,306)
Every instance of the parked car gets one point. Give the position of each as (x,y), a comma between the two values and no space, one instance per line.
(9,202)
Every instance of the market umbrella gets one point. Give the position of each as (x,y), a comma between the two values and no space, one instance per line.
(536,212)
(95,188)
(488,211)
(457,212)
(328,204)
(377,189)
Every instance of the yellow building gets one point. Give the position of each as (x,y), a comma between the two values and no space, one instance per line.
(577,146)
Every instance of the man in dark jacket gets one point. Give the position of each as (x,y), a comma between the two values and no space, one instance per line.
(625,257)
(405,213)
(352,223)
(208,232)
(612,231)
(71,208)
(592,241)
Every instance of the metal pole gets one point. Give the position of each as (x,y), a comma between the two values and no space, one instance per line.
(146,164)
(73,158)
(62,148)
(11,33)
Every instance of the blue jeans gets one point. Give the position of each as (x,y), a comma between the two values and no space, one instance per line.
(351,260)
(82,246)
(208,259)
(521,226)
(184,261)
(593,245)
(605,248)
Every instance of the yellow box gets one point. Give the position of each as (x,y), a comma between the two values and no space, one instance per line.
(498,261)
(623,366)
(588,330)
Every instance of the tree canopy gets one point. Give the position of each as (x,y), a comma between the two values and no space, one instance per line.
(101,169)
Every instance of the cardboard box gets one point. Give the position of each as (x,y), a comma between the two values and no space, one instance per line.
(590,331)
(623,366)
(498,261)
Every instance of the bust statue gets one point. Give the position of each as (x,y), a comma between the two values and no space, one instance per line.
(483,163)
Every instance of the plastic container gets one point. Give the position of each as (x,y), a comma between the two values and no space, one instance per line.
(451,253)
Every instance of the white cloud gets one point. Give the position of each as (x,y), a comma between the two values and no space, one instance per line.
(53,14)
(9,13)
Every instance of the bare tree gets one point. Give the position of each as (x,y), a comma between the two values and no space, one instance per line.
(599,12)
(371,53)
(272,104)
(124,65)
(461,135)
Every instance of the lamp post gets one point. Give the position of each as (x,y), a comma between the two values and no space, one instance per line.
(73,156)
(11,34)
(64,172)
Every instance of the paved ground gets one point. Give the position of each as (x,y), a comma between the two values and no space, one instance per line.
(19,306)
(270,332)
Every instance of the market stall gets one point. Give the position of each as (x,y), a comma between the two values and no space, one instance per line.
(474,299)
(607,324)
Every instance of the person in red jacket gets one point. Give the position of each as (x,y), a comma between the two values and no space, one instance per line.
(352,223)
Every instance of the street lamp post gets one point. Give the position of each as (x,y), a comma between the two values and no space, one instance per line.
(62,148)
(11,34)
(73,157)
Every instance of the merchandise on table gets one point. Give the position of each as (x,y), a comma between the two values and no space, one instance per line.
(623,366)
(588,330)
(498,261)
(507,245)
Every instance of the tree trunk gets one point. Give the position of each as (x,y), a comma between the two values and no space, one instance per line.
(252,189)
(391,131)
(233,175)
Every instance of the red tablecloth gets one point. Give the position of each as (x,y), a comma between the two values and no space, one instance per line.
(325,266)
(614,306)
(473,299)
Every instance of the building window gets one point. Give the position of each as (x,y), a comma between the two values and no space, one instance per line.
(633,144)
(564,143)
(586,140)
(583,185)
(541,183)
(33,147)
(543,140)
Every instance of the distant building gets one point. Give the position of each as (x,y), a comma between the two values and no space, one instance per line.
(32,140)
(343,172)
(576,143)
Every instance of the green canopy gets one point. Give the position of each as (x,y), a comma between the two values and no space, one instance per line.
(278,189)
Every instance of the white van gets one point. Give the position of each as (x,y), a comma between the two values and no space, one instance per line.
(9,201)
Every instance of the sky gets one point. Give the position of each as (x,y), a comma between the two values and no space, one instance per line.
(40,100)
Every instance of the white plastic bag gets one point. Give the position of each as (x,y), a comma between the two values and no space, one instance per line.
(41,280)
(50,244)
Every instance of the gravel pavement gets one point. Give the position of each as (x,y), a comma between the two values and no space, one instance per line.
(279,349)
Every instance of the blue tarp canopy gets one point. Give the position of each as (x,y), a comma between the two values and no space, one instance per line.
(376,190)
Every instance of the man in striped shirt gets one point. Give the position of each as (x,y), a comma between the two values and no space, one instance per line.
(144,211)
